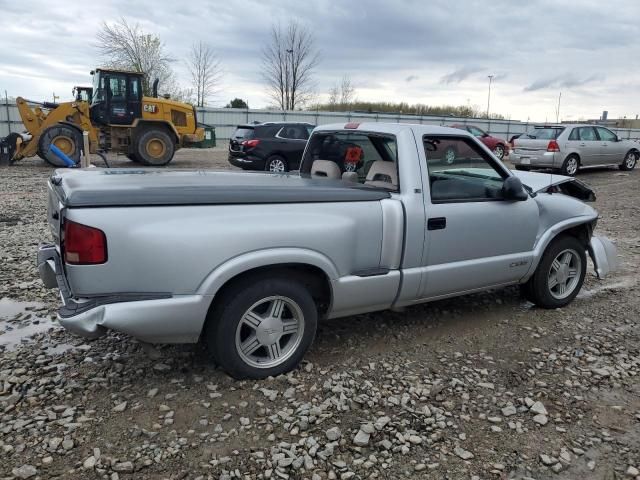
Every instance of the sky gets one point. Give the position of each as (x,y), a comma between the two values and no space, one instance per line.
(433,52)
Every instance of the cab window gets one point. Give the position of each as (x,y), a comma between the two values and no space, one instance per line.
(367,158)
(460,171)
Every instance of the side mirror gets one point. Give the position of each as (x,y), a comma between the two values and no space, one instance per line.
(512,189)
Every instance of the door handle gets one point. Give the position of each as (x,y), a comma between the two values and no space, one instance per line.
(437,223)
(583,145)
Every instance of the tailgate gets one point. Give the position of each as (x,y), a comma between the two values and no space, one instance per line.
(530,145)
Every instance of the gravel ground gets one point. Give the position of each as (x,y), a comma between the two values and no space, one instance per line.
(480,387)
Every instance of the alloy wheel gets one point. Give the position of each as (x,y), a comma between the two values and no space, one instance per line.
(269,332)
(276,165)
(572,166)
(630,160)
(564,274)
(499,152)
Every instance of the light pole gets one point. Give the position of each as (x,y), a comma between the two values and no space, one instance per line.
(489,95)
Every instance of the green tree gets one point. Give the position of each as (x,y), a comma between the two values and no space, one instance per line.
(237,103)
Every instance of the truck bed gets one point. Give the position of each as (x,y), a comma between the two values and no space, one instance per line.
(131,187)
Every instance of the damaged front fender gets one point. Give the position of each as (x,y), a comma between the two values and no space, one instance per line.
(604,255)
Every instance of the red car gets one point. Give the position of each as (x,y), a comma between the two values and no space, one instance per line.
(499,147)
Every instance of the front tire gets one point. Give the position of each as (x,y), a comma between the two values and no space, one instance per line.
(276,164)
(570,166)
(66,138)
(154,147)
(262,327)
(499,151)
(559,275)
(629,162)
(522,169)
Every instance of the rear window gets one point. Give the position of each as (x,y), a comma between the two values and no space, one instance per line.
(372,157)
(243,132)
(544,133)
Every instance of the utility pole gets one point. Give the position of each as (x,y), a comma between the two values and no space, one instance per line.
(558,108)
(489,94)
(55,97)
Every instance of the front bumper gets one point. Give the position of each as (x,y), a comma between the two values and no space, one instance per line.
(151,317)
(604,255)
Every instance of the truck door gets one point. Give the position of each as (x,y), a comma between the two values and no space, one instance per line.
(474,238)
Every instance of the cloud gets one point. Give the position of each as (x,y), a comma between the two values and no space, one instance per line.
(460,74)
(411,78)
(563,81)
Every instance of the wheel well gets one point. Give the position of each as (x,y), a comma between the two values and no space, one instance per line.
(574,154)
(634,150)
(581,232)
(143,126)
(314,278)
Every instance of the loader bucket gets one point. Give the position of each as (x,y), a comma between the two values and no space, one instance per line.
(8,147)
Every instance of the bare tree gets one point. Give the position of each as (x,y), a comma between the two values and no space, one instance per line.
(205,71)
(342,94)
(288,62)
(127,47)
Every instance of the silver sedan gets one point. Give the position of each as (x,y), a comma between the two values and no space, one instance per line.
(569,147)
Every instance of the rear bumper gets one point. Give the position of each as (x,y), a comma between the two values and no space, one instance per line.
(246,162)
(535,159)
(153,318)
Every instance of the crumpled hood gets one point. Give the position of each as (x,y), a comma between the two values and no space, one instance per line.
(541,181)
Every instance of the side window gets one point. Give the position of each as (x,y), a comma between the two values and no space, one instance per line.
(459,171)
(606,135)
(574,135)
(587,134)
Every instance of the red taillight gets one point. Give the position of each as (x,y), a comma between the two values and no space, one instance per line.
(553,146)
(251,143)
(352,125)
(84,245)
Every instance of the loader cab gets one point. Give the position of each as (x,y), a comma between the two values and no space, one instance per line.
(83,94)
(117,97)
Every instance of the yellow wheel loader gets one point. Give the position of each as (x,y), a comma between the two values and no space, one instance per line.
(117,118)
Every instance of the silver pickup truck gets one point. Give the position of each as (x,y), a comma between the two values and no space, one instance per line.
(377,218)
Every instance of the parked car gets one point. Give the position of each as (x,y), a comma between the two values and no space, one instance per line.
(498,146)
(567,148)
(272,146)
(248,262)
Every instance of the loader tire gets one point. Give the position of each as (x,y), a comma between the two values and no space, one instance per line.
(133,157)
(154,147)
(66,138)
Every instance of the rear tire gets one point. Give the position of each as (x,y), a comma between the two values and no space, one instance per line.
(66,138)
(630,161)
(559,275)
(248,340)
(276,164)
(154,147)
(570,166)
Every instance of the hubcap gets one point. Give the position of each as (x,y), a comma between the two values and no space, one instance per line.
(269,332)
(66,144)
(564,274)
(572,166)
(499,152)
(631,160)
(449,156)
(155,148)
(276,165)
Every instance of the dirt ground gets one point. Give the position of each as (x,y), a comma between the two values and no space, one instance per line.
(479,387)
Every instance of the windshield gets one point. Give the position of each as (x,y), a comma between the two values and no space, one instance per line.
(98,88)
(545,133)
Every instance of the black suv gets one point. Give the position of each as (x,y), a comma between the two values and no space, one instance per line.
(271,146)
